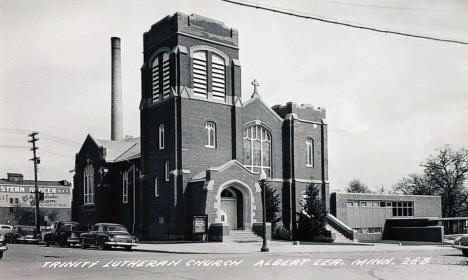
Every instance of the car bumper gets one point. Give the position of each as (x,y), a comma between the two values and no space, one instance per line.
(73,240)
(117,243)
(460,247)
(28,240)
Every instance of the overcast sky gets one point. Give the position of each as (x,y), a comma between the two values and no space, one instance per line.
(390,100)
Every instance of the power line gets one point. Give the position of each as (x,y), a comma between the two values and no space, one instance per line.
(397,8)
(45,135)
(14,146)
(342,23)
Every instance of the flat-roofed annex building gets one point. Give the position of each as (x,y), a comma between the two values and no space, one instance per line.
(367,213)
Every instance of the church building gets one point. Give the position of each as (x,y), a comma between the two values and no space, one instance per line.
(202,146)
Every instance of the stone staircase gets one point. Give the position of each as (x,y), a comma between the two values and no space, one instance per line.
(241,236)
(337,236)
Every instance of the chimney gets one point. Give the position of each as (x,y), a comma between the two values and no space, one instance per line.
(116,91)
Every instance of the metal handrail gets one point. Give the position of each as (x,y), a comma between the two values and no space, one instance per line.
(341,227)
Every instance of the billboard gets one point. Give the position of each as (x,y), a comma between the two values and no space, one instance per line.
(23,196)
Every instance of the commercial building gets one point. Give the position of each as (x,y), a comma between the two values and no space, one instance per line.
(202,147)
(17,200)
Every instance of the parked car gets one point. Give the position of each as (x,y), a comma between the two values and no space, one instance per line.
(107,235)
(461,243)
(3,246)
(5,228)
(64,234)
(22,234)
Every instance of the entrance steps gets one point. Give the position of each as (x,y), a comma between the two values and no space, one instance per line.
(338,237)
(241,236)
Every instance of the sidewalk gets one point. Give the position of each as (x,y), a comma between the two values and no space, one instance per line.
(278,247)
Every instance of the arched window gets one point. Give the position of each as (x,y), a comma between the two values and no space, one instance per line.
(257,149)
(88,183)
(161,79)
(210,129)
(161,136)
(216,81)
(156,187)
(125,187)
(166,170)
(200,73)
(218,72)
(309,152)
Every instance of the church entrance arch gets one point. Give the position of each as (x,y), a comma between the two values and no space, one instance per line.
(235,207)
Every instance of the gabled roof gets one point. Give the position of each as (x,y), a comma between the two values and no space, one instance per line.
(119,150)
(257,98)
(221,168)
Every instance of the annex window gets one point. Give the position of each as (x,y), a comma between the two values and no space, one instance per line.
(200,72)
(88,184)
(161,136)
(166,170)
(402,208)
(309,152)
(125,187)
(210,129)
(257,149)
(374,230)
(160,70)
(209,74)
(156,187)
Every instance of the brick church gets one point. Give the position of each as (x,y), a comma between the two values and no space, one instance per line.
(202,147)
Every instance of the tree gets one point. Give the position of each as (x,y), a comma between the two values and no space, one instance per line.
(272,205)
(312,220)
(356,186)
(414,184)
(444,175)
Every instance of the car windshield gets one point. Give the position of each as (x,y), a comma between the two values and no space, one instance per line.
(117,228)
(67,227)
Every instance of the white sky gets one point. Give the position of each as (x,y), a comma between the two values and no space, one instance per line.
(390,100)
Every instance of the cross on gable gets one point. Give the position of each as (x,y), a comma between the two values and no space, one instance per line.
(255,84)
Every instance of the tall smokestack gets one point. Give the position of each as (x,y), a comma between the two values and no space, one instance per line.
(116,109)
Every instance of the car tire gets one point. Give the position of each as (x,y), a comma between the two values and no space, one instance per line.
(1,255)
(102,246)
(47,243)
(465,252)
(82,244)
(128,248)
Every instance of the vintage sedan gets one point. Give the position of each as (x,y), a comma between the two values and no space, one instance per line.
(5,228)
(22,234)
(107,235)
(461,243)
(64,233)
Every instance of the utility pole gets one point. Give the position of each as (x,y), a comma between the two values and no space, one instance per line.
(36,161)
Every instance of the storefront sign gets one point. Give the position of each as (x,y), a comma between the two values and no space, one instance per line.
(23,196)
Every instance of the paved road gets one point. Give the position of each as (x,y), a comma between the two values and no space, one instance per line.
(390,262)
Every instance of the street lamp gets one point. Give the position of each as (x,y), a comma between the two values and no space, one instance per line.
(262,185)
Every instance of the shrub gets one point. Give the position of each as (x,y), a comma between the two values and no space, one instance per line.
(281,233)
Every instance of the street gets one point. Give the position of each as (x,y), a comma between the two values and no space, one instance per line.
(190,261)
